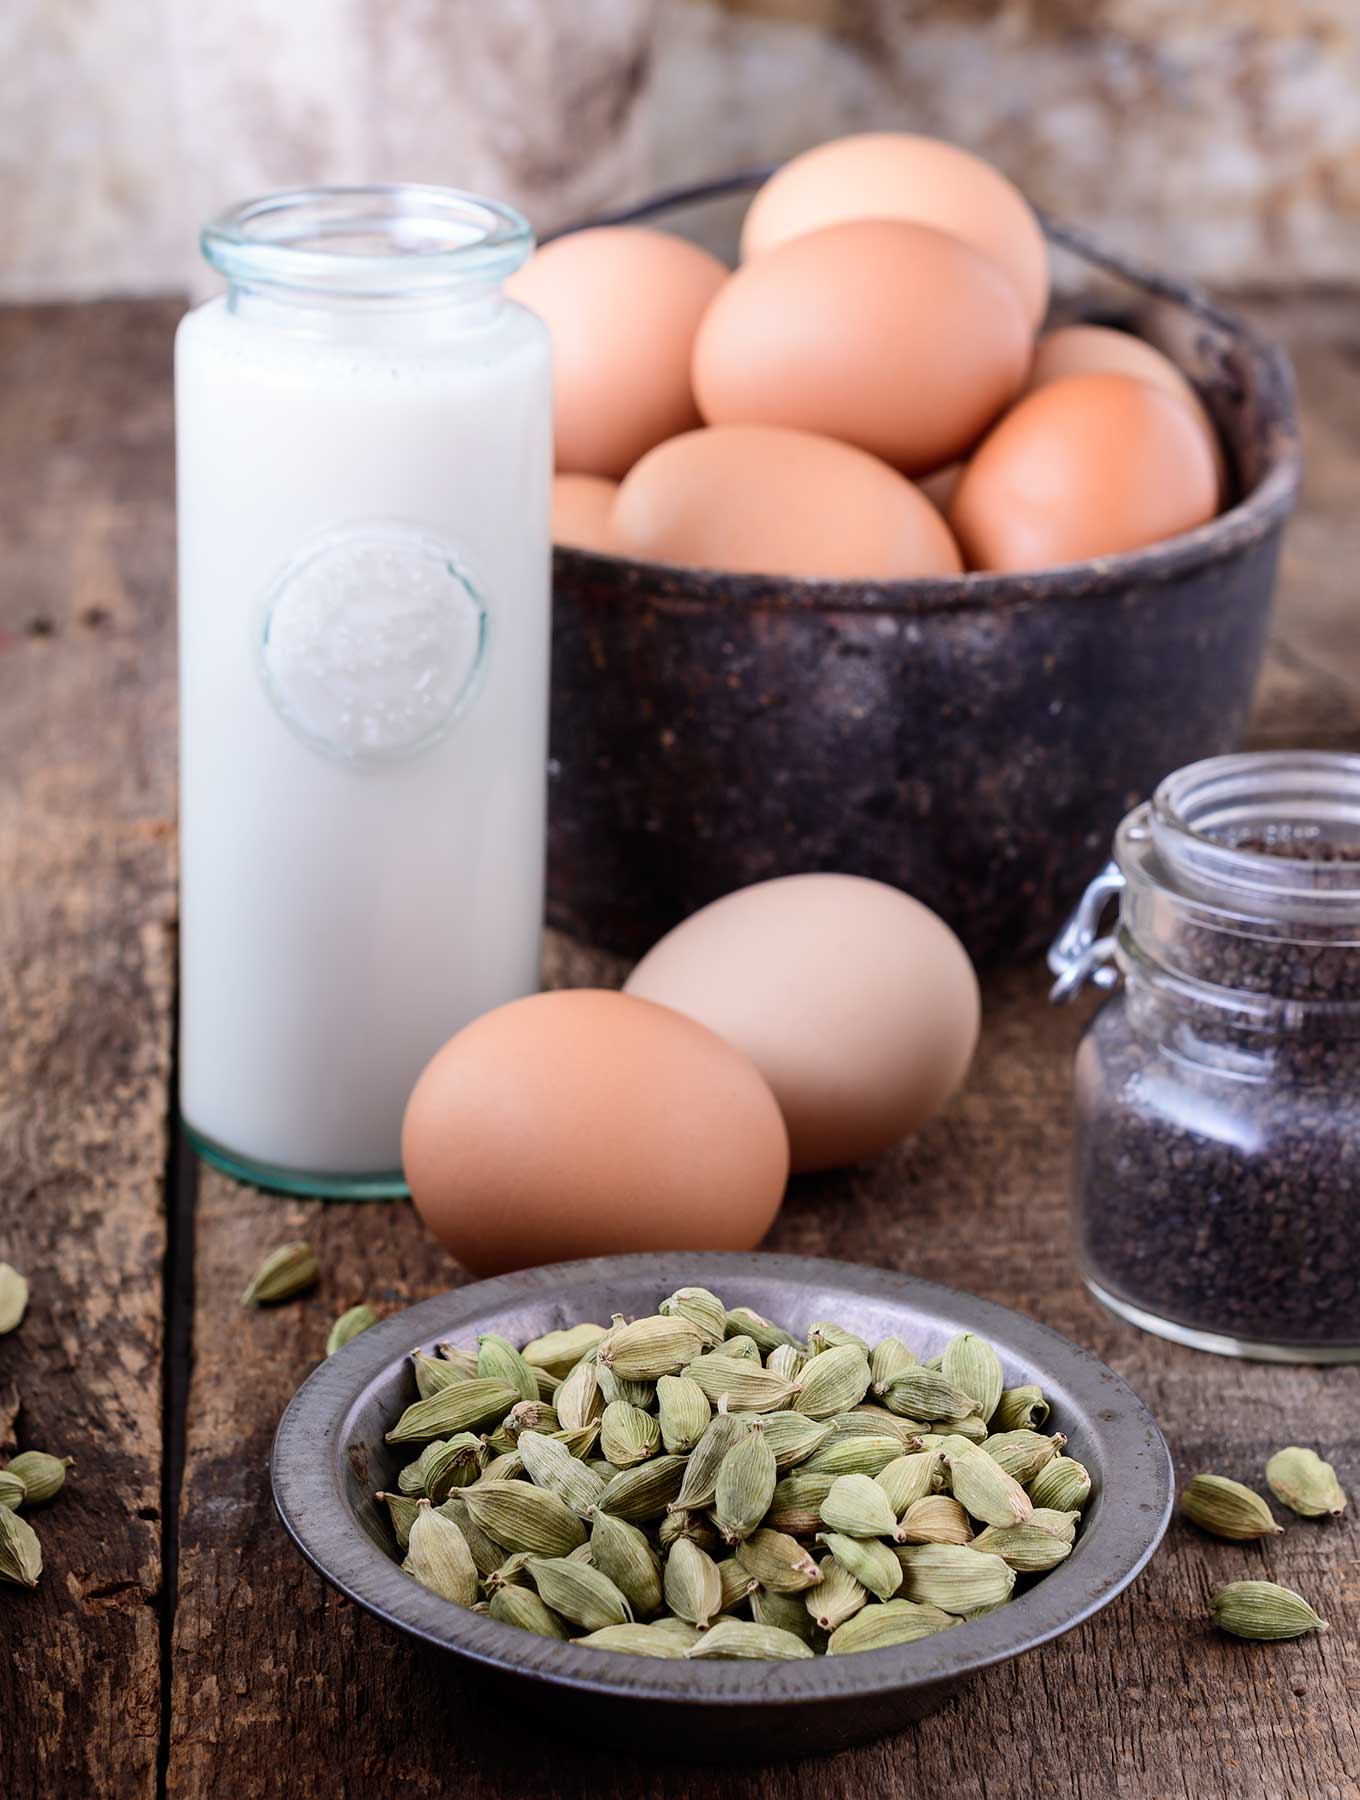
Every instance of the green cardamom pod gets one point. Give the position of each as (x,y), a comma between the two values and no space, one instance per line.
(462,1362)
(523,1518)
(531,1415)
(934,1519)
(778,1561)
(693,1586)
(974,1368)
(907,1479)
(743,1638)
(1227,1509)
(559,1351)
(1020,1409)
(745,1486)
(440,1558)
(402,1510)
(745,1386)
(887,1622)
(741,1321)
(1064,1484)
(683,1413)
(513,1572)
(796,1504)
(954,1577)
(466,1406)
(1029,1549)
(1260,1609)
(550,1465)
(787,1361)
(521,1607)
(867,1420)
(348,1326)
(926,1394)
(704,1311)
(984,1489)
(1023,1453)
(827,1335)
(583,1594)
(1061,1524)
(508,1466)
(832,1382)
(865,1453)
(678,1630)
(793,1437)
(650,1347)
(291,1269)
(13,1493)
(435,1373)
(499,1360)
(579,1401)
(644,1493)
(889,1358)
(836,1598)
(20,1551)
(411,1478)
(700,1485)
(858,1507)
(628,1435)
(744,1347)
(691,1525)
(546,1384)
(635,1640)
(456,1463)
(487,1554)
(786,1612)
(872,1564)
(13,1301)
(1300,1478)
(621,1551)
(615,1388)
(738,1583)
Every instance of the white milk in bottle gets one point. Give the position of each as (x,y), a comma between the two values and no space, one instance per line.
(364,463)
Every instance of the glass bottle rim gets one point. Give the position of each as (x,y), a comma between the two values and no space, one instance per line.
(388,241)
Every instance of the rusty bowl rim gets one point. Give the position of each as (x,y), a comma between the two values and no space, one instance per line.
(1230,534)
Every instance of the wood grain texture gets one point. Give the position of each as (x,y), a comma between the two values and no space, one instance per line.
(86,989)
(279,1687)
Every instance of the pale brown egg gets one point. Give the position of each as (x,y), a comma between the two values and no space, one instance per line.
(857,1004)
(1097,349)
(895,175)
(894,337)
(622,305)
(1087,466)
(582,1123)
(769,501)
(582,511)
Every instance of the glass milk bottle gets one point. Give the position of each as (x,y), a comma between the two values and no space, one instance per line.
(364,462)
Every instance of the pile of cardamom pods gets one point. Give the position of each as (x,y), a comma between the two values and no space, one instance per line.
(699,1483)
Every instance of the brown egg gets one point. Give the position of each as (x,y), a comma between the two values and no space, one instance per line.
(897,338)
(582,1123)
(582,509)
(857,1004)
(1096,350)
(895,175)
(1088,466)
(764,500)
(941,487)
(622,305)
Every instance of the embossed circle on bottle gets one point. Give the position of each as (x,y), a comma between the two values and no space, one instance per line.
(374,640)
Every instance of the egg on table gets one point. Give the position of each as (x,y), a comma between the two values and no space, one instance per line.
(897,175)
(1086,466)
(857,1004)
(622,305)
(584,1122)
(895,337)
(766,500)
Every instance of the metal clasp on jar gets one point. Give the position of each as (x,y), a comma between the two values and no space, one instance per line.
(1081,953)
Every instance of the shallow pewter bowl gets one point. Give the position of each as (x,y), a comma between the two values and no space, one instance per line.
(329,1456)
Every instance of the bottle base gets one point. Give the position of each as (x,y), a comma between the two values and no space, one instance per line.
(1248,1349)
(278,1180)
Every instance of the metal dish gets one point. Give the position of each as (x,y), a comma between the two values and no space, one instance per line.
(974,740)
(329,1456)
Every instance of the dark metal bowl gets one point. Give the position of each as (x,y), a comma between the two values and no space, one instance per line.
(329,1457)
(973,740)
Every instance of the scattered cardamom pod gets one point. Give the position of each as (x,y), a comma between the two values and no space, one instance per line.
(745,1486)
(628,1435)
(887,1622)
(974,1368)
(683,1413)
(440,1558)
(1261,1609)
(743,1638)
(955,1577)
(20,1551)
(13,1493)
(635,1640)
(1305,1484)
(858,1507)
(522,1607)
(650,1347)
(13,1298)
(836,1598)
(1029,1549)
(578,1592)
(498,1360)
(935,1519)
(1020,1409)
(692,1584)
(1064,1484)
(704,1311)
(287,1271)
(832,1382)
(984,1489)
(872,1564)
(522,1517)
(348,1326)
(559,1351)
(1227,1509)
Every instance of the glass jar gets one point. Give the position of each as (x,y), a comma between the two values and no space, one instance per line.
(364,429)
(1217,1131)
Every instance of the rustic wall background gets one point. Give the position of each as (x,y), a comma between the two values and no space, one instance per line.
(1219,136)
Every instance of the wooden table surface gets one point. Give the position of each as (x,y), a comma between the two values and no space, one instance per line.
(177,1643)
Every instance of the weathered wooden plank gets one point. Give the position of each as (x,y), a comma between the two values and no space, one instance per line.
(86,990)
